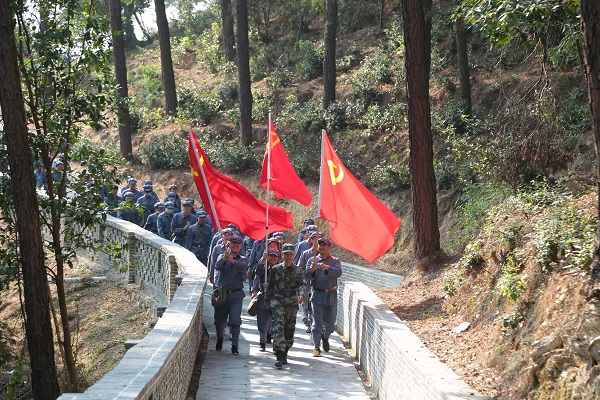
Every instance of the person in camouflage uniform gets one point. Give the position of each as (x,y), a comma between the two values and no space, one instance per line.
(284,292)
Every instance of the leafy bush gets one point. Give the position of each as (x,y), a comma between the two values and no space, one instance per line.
(335,115)
(303,117)
(389,178)
(209,51)
(230,157)
(145,117)
(166,152)
(378,119)
(202,106)
(147,80)
(310,64)
(261,105)
(228,93)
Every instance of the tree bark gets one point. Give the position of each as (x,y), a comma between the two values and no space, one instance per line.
(590,26)
(243,59)
(124,119)
(40,342)
(228,36)
(130,39)
(427,10)
(425,214)
(166,61)
(462,56)
(329,71)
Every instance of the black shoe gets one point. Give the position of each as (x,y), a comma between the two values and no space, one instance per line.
(269,338)
(325,345)
(219,344)
(234,350)
(284,357)
(305,320)
(279,362)
(308,330)
(263,347)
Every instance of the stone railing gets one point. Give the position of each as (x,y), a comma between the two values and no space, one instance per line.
(397,363)
(160,366)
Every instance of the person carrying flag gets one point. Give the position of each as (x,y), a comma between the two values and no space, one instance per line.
(323,272)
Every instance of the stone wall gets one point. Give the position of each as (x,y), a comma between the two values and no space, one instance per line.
(160,366)
(396,361)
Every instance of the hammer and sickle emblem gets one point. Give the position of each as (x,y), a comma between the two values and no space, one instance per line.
(274,139)
(335,179)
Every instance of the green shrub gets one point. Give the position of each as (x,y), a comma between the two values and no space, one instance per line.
(335,115)
(209,51)
(390,178)
(145,117)
(202,106)
(230,156)
(303,117)
(379,119)
(228,93)
(166,152)
(261,105)
(147,81)
(310,64)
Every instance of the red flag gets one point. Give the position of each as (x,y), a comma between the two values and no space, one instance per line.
(359,222)
(233,203)
(285,183)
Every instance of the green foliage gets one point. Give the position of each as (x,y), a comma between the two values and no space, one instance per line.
(512,320)
(524,22)
(471,212)
(147,81)
(261,105)
(511,283)
(303,156)
(380,119)
(472,258)
(335,115)
(355,15)
(143,117)
(563,235)
(228,94)
(389,178)
(230,156)
(302,117)
(209,51)
(310,64)
(198,105)
(166,152)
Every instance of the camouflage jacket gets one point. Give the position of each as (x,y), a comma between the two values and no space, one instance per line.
(285,285)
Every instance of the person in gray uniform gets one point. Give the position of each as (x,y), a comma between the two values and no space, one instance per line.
(263,315)
(307,315)
(164,221)
(152,220)
(323,273)
(197,238)
(230,313)
(127,210)
(181,223)
(216,251)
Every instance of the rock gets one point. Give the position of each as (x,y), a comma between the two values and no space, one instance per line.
(594,351)
(461,328)
(543,346)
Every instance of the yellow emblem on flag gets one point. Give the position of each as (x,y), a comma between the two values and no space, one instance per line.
(335,179)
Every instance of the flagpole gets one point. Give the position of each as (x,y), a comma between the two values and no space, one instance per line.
(267,194)
(210,199)
(319,219)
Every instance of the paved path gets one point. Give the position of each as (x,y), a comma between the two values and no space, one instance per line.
(252,374)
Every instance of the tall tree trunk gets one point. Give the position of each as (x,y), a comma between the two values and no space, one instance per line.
(166,62)
(243,59)
(425,214)
(590,25)
(427,15)
(462,56)
(38,328)
(381,13)
(228,37)
(125,131)
(329,61)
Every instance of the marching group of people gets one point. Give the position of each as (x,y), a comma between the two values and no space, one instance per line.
(282,276)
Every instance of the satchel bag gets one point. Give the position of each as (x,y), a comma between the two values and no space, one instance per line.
(220,294)
(252,309)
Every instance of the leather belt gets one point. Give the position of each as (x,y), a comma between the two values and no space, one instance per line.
(333,289)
